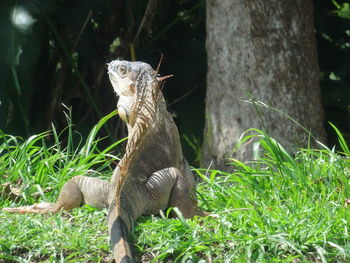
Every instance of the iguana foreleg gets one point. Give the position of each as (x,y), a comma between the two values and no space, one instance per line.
(172,188)
(77,191)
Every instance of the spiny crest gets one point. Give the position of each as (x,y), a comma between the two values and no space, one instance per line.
(140,129)
(146,94)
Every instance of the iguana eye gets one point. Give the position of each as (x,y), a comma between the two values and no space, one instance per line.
(122,70)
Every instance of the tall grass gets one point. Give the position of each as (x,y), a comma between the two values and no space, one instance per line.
(278,208)
(39,166)
(34,164)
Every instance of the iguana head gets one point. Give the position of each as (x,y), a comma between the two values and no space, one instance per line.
(125,75)
(135,83)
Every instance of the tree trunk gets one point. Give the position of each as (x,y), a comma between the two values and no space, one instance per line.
(263,49)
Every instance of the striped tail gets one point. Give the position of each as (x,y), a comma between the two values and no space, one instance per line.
(118,231)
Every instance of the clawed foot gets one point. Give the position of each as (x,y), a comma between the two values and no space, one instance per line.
(202,213)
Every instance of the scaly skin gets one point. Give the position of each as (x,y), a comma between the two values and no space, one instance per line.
(153,173)
(76,192)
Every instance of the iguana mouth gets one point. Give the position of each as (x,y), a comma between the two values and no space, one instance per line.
(114,80)
(112,77)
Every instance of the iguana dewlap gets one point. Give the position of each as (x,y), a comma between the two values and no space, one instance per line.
(151,176)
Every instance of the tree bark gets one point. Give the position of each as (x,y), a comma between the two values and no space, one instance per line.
(263,49)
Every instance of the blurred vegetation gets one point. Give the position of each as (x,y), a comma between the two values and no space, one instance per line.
(55,51)
(332,21)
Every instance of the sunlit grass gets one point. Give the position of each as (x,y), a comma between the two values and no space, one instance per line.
(278,208)
(39,169)
(34,165)
(80,236)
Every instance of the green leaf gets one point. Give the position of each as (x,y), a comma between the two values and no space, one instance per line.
(341,140)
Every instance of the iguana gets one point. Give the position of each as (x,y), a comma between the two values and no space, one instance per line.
(153,173)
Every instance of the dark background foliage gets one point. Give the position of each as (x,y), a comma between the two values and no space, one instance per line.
(332,22)
(61,58)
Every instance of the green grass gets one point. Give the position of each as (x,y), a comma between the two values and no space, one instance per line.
(278,208)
